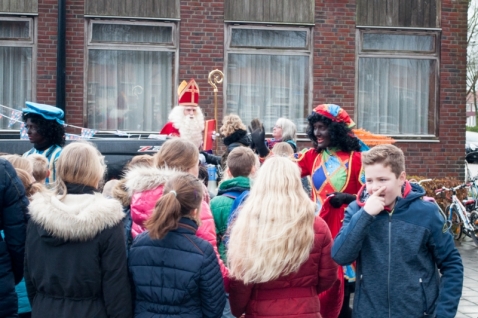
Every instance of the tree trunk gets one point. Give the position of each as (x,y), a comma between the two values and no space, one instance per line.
(475,105)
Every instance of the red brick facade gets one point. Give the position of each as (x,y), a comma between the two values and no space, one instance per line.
(201,50)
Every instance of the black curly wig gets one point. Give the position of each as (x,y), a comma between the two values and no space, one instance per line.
(341,136)
(51,130)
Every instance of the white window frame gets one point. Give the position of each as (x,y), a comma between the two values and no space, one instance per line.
(90,45)
(306,51)
(29,42)
(431,55)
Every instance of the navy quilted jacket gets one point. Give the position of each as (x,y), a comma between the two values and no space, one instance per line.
(13,208)
(177,276)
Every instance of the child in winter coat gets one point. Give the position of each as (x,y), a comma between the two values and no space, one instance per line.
(176,273)
(75,255)
(146,185)
(279,252)
(399,243)
(241,163)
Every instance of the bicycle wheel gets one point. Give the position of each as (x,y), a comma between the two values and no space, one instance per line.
(456,227)
(473,217)
(474,237)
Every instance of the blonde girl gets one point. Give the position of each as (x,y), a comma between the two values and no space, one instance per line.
(75,256)
(279,253)
(29,183)
(171,249)
(19,162)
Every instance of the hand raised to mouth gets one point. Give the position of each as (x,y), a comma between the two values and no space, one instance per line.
(376,202)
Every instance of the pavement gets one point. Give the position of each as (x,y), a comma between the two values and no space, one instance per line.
(468,307)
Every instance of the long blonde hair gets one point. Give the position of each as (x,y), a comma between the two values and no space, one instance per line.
(273,233)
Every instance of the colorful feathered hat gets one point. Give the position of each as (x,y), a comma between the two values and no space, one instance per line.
(339,115)
(188,93)
(335,113)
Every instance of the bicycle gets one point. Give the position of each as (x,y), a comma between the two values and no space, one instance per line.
(459,220)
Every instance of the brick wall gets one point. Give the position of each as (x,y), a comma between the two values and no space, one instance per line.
(446,158)
(46,57)
(334,53)
(46,51)
(201,48)
(334,82)
(75,57)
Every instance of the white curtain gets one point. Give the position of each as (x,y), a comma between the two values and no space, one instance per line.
(129,90)
(268,87)
(15,80)
(396,96)
(15,70)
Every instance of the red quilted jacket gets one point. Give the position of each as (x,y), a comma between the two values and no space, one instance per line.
(294,295)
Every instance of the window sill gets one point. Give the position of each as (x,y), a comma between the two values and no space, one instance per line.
(301,137)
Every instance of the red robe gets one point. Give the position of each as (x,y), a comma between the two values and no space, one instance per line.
(169,130)
(311,165)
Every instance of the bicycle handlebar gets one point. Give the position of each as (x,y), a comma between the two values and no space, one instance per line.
(458,187)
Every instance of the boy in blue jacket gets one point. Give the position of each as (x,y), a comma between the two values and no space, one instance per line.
(400,244)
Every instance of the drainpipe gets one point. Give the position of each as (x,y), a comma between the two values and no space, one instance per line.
(61,56)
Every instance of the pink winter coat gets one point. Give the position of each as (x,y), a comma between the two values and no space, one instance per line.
(145,186)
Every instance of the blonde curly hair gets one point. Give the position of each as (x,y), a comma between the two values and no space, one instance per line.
(230,124)
(274,231)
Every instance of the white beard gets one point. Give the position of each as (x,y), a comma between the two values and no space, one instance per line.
(190,128)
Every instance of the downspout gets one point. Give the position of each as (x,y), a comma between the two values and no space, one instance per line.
(61,56)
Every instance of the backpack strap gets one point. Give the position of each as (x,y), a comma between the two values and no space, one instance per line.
(236,207)
(234,195)
(231,194)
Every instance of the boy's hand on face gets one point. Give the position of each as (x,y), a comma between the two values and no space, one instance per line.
(375,203)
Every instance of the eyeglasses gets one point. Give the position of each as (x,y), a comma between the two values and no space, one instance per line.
(277,127)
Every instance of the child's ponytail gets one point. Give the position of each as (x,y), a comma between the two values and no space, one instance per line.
(182,194)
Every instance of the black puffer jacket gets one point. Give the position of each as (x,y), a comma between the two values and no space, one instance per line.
(237,139)
(177,276)
(76,257)
(13,208)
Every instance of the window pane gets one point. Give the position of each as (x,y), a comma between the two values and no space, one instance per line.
(397,96)
(15,79)
(397,42)
(12,30)
(128,33)
(268,38)
(129,90)
(268,87)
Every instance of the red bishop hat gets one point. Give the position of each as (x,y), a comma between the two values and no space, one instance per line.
(188,93)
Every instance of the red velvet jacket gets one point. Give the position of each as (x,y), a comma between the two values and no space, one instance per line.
(294,295)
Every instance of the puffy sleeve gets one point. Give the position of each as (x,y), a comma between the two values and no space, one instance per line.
(239,296)
(306,160)
(14,204)
(169,130)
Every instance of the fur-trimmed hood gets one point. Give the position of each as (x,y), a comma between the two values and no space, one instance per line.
(77,217)
(140,179)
